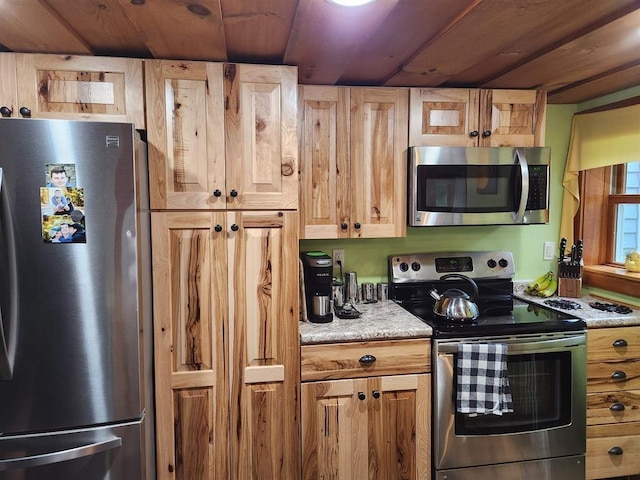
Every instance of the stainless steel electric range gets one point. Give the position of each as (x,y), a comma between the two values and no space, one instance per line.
(545,435)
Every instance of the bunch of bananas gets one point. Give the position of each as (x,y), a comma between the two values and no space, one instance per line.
(543,286)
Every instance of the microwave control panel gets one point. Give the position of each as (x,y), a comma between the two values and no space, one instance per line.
(538,188)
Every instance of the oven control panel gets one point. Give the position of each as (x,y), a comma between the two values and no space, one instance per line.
(421,267)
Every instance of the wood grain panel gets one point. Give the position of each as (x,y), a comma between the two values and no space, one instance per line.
(33,26)
(261,138)
(186,134)
(190,328)
(599,409)
(600,463)
(342,360)
(104,25)
(81,88)
(8,82)
(600,375)
(324,161)
(194,432)
(600,343)
(514,117)
(195,28)
(379,125)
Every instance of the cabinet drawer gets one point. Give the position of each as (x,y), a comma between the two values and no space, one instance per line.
(613,375)
(613,407)
(613,343)
(364,359)
(602,443)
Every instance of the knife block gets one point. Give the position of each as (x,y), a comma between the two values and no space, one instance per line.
(569,287)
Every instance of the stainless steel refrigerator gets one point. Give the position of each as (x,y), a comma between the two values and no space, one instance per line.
(75,302)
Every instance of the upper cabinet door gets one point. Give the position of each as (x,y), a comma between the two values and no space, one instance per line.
(186,135)
(379,125)
(324,161)
(471,118)
(514,118)
(444,117)
(261,138)
(80,88)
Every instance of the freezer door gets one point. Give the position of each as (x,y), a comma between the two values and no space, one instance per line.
(112,452)
(69,309)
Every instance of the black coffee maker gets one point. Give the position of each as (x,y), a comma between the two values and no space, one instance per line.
(318,270)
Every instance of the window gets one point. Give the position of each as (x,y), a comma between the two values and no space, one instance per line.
(609,222)
(624,206)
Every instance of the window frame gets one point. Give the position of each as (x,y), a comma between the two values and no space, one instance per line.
(595,224)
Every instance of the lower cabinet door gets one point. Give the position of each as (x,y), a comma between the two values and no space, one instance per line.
(376,428)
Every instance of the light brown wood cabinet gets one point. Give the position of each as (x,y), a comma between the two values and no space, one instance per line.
(224,135)
(353,157)
(360,424)
(473,117)
(613,402)
(72,87)
(226,344)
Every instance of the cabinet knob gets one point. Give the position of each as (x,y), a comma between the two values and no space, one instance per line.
(486,133)
(376,394)
(5,111)
(234,227)
(621,342)
(361,395)
(344,226)
(25,112)
(474,134)
(616,451)
(233,193)
(618,375)
(217,193)
(218,228)
(357,225)
(617,407)
(367,359)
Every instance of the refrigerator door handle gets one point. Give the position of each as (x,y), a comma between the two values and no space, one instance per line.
(62,455)
(8,343)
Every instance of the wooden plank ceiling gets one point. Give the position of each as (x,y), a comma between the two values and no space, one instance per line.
(577,50)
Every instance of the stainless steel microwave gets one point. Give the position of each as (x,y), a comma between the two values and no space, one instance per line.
(478,185)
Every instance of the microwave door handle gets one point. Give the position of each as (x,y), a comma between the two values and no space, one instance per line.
(521,158)
(8,342)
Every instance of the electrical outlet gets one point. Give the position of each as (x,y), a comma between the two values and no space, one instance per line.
(549,251)
(338,256)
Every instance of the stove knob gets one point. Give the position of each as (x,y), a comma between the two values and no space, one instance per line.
(404,267)
(415,266)
(491,263)
(503,263)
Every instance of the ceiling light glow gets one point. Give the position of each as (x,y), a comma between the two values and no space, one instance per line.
(350,3)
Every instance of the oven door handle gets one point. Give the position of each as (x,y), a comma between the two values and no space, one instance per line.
(521,159)
(515,347)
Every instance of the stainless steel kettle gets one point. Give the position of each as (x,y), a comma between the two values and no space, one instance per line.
(455,304)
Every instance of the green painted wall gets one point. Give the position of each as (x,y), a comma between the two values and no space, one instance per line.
(368,257)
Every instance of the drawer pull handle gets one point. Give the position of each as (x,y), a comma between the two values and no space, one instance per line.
(618,375)
(617,407)
(376,394)
(621,342)
(361,395)
(367,359)
(616,451)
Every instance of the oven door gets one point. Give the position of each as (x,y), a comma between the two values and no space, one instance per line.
(547,377)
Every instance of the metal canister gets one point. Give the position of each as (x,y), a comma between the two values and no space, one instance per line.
(368,293)
(351,288)
(338,294)
(383,292)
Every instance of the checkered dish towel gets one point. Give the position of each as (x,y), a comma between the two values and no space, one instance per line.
(483,385)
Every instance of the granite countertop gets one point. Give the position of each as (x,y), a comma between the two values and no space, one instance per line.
(379,321)
(593,317)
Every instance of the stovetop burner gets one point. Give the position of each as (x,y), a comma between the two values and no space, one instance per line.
(610,307)
(563,304)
